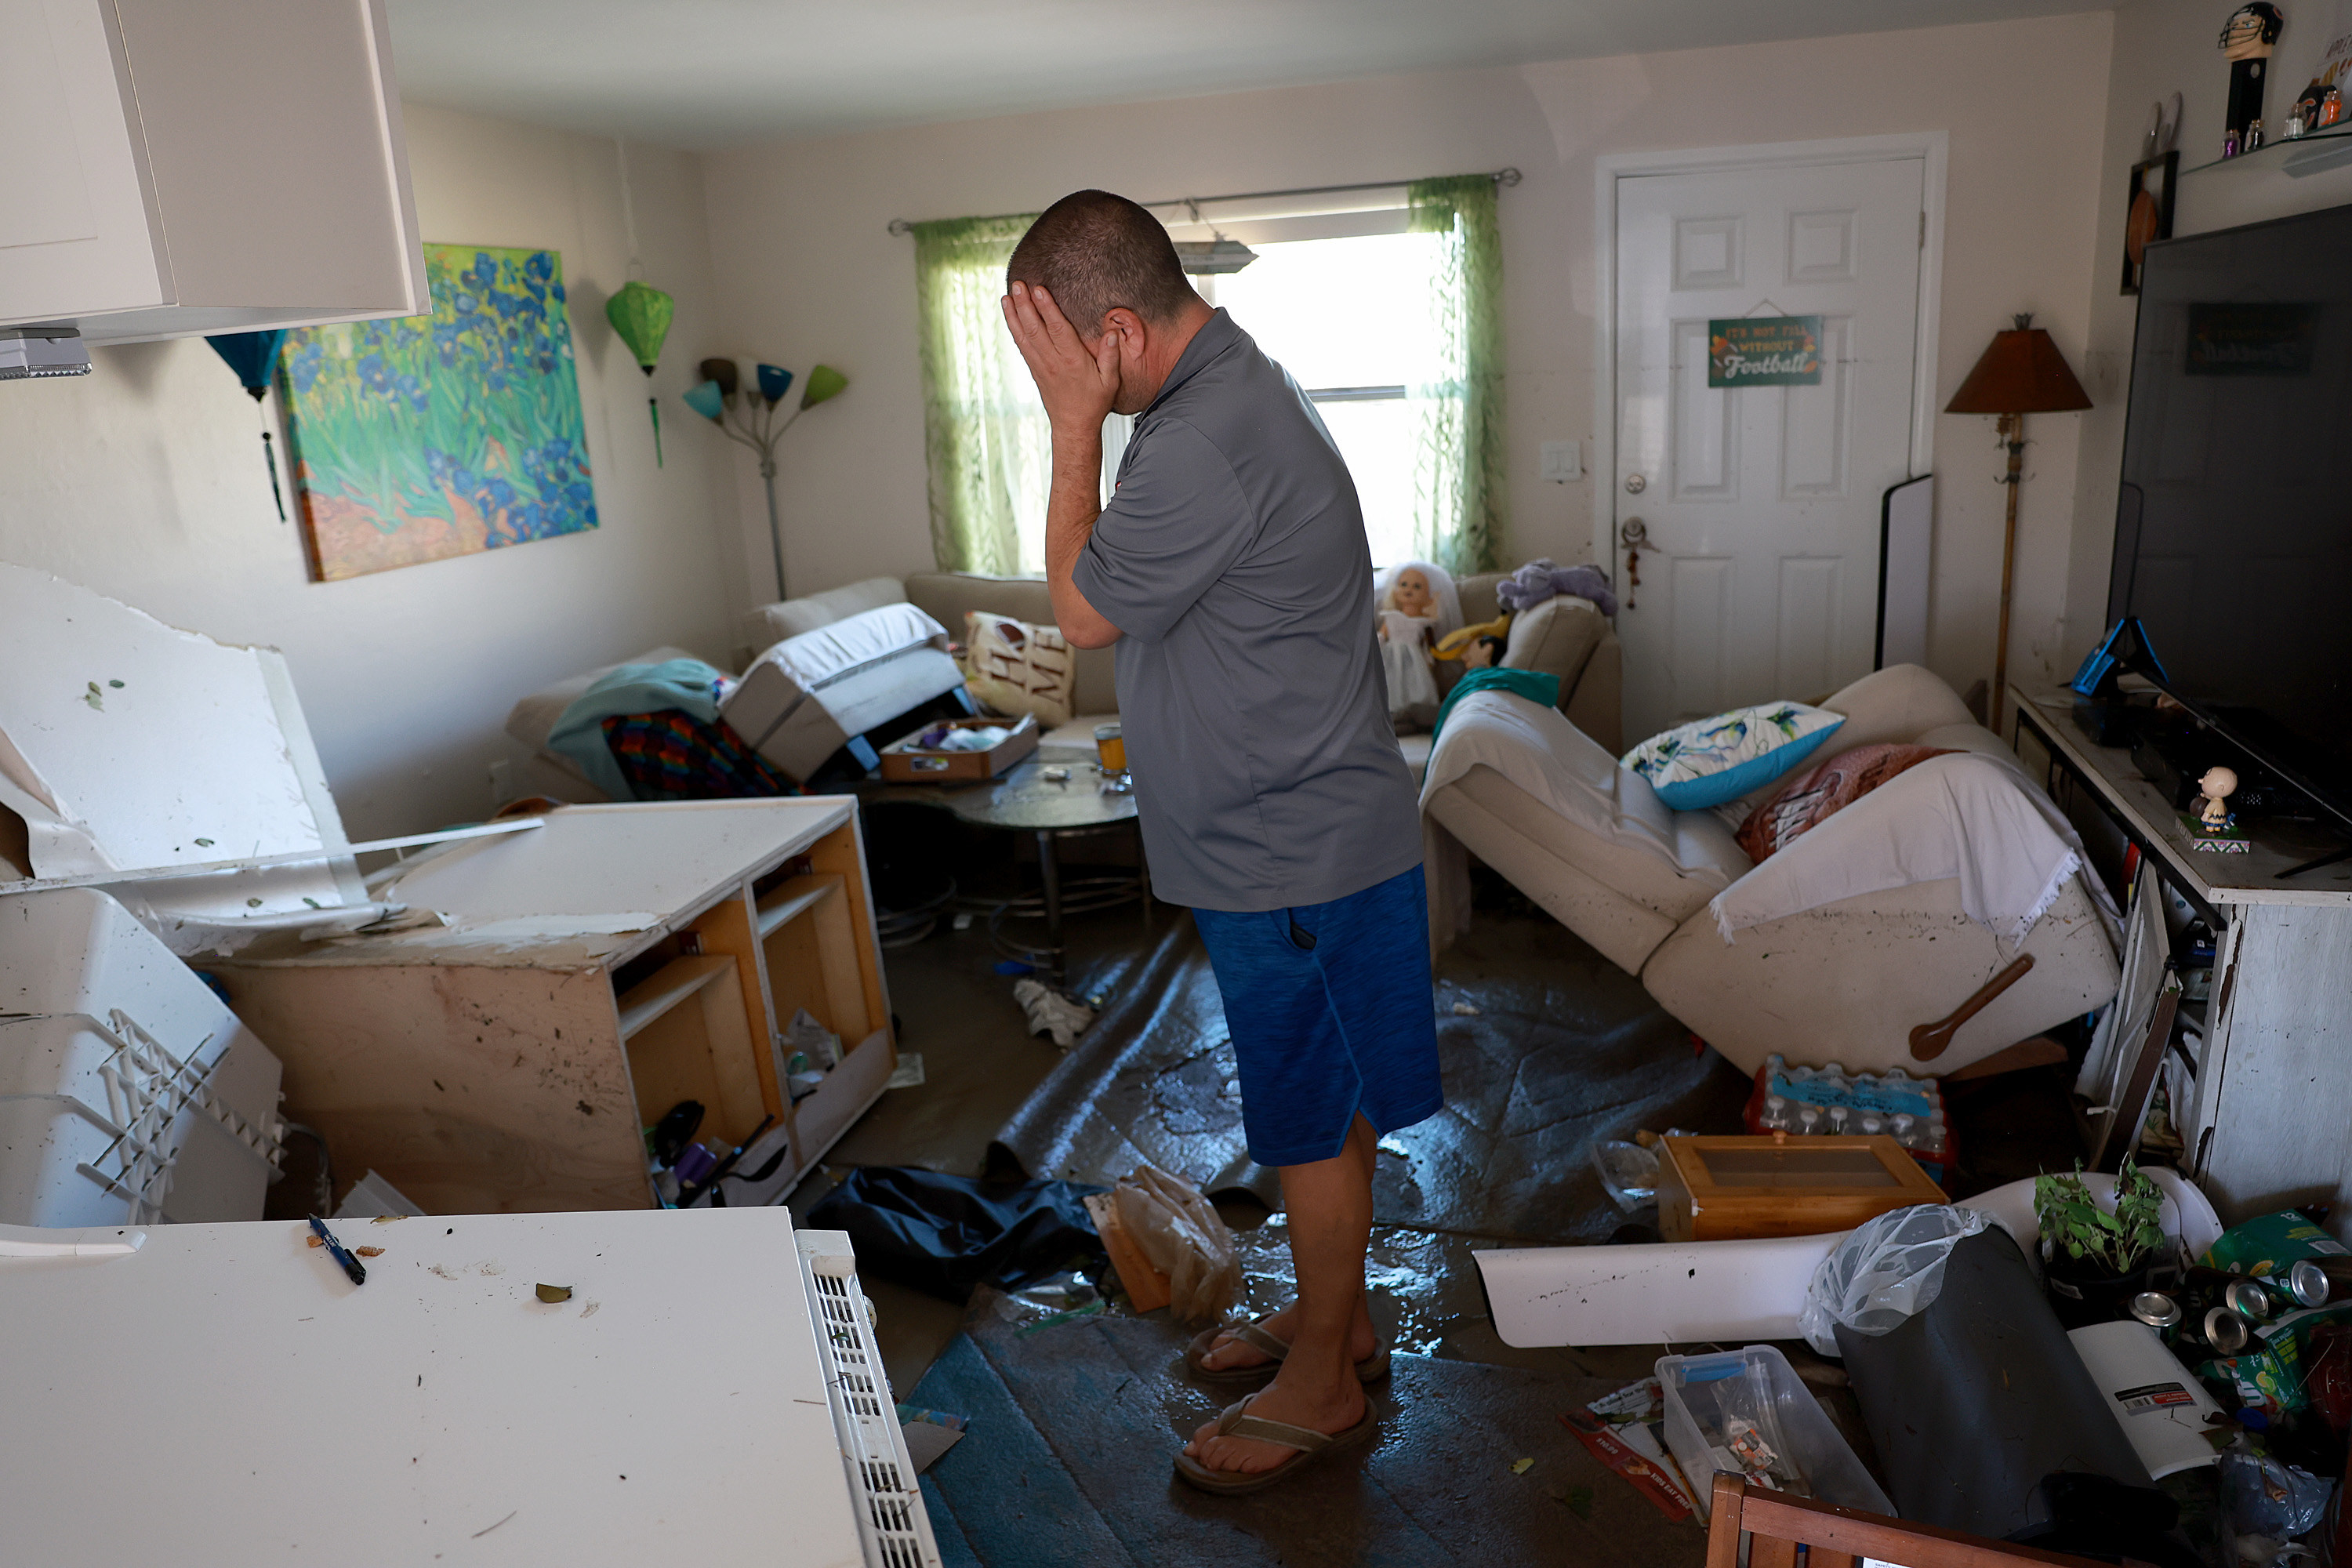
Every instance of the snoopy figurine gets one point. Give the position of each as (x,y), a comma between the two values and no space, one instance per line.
(2214,812)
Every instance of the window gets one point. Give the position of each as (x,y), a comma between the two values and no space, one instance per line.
(1348,319)
(1395,337)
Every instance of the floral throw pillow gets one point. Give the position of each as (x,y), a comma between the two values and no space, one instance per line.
(1710,761)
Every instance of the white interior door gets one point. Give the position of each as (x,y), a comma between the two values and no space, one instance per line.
(1747,518)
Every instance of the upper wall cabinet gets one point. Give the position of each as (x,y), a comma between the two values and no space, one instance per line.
(170,167)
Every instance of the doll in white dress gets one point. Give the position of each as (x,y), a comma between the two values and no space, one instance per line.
(1416,609)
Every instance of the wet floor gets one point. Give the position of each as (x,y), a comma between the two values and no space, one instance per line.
(1546,1046)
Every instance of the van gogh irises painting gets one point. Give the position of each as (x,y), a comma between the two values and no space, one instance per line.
(418,439)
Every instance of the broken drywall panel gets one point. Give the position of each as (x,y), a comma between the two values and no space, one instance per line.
(128,745)
(1659,1293)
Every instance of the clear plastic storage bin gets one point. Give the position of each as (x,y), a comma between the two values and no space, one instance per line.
(1746,1411)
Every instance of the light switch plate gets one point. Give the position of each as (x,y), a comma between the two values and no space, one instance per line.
(1563,460)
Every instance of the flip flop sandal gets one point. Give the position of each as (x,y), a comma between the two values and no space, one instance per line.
(1371,1369)
(1235,1421)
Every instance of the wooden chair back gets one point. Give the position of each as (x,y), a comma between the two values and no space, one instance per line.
(1778,1525)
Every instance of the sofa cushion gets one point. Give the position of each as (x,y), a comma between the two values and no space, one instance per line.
(1900,702)
(952,595)
(1557,637)
(772,624)
(531,720)
(1710,761)
(1476,593)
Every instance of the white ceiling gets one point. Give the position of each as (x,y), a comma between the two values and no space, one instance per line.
(714,73)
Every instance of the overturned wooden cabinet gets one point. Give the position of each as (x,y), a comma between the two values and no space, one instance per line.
(567,986)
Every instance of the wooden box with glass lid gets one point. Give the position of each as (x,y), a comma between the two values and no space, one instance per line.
(562,990)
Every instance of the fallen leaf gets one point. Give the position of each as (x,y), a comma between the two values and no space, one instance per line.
(1521,1467)
(314,1241)
(386,1218)
(205,842)
(369,1251)
(555,1295)
(116,684)
(1580,1501)
(253,903)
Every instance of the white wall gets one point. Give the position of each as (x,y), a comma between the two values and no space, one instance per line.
(806,272)
(2161,48)
(144,481)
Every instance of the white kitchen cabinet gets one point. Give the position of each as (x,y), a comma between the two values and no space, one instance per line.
(170,168)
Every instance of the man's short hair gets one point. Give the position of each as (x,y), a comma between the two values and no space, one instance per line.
(1095,252)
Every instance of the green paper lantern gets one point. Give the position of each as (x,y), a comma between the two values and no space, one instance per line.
(640,315)
(823,383)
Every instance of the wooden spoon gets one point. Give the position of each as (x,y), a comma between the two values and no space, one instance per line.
(1929,1041)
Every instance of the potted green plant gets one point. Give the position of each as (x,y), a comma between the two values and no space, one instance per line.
(2094,1262)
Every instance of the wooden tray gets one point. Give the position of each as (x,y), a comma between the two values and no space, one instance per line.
(1711,1189)
(904,762)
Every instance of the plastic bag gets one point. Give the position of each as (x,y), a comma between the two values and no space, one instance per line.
(1184,1238)
(943,1235)
(2266,1497)
(1887,1269)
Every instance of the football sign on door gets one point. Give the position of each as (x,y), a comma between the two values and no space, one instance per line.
(1766,343)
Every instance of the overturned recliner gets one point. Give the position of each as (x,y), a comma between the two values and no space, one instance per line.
(1844,979)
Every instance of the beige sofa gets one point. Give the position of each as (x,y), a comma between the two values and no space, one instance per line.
(1844,980)
(1566,636)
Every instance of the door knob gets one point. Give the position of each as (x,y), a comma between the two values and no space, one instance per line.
(1635,484)
(1633,535)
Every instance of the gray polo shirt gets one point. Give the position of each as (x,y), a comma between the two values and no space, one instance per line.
(1233,558)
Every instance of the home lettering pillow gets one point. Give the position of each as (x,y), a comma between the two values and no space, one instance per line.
(1012,668)
(1710,761)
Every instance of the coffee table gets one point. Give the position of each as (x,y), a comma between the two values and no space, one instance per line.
(1028,798)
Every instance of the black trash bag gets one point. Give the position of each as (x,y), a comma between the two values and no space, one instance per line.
(943,1235)
(1986,1421)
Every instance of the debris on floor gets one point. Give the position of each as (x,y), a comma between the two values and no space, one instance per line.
(1052,1012)
(944,1235)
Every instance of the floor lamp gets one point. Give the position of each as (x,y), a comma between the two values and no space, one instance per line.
(750,421)
(2022,373)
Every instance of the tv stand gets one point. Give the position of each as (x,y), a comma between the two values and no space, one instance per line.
(2313,865)
(2268,1091)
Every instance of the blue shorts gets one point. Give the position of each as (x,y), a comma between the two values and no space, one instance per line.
(1331,1014)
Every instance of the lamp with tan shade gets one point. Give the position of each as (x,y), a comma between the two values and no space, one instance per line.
(2022,373)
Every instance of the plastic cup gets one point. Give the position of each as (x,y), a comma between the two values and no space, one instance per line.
(1110,748)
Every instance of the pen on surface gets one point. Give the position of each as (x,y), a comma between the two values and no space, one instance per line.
(352,1266)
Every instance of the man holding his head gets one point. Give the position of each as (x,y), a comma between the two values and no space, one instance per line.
(1231,570)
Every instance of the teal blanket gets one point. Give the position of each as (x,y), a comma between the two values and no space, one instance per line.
(1532,684)
(686,684)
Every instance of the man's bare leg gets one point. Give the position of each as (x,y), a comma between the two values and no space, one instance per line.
(1329,1203)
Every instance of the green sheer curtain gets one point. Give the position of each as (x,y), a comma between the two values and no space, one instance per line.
(985,433)
(1461,501)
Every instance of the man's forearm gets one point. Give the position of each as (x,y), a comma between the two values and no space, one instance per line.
(1070,513)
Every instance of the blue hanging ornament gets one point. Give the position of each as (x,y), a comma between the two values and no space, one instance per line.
(254,357)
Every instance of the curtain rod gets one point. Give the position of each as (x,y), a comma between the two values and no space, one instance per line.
(1506,178)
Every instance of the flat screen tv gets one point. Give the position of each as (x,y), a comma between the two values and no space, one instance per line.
(2234,527)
